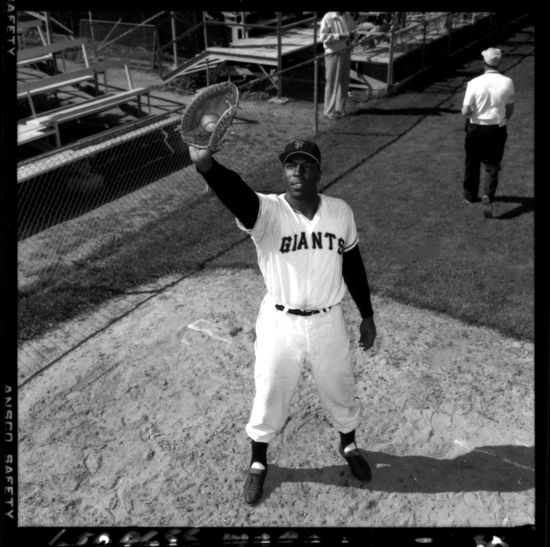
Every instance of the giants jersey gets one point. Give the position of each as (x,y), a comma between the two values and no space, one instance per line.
(301,259)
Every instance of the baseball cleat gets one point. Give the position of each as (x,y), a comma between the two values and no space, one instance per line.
(357,463)
(487,207)
(254,484)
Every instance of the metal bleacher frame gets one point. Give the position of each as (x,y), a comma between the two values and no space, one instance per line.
(45,124)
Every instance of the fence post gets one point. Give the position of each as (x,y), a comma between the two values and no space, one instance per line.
(424,30)
(279,56)
(205,34)
(174,44)
(92,35)
(315,81)
(49,36)
(389,82)
(449,29)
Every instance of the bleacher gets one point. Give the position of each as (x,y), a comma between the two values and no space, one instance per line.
(40,76)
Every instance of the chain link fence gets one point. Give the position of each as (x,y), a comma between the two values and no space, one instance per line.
(107,222)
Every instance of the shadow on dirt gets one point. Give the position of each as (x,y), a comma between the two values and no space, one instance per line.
(487,468)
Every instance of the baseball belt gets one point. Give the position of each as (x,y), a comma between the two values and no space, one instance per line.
(294,311)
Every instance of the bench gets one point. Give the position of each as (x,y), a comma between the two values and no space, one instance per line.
(92,106)
(48,123)
(53,83)
(32,131)
(41,86)
(32,55)
(23,26)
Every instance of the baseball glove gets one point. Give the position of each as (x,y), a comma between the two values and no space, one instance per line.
(209,115)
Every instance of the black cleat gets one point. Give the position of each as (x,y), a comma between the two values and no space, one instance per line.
(358,465)
(254,485)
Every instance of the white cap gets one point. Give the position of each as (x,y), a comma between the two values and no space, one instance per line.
(491,56)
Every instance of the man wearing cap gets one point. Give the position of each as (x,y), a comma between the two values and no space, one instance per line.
(308,254)
(488,105)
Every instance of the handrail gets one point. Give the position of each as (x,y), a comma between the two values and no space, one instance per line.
(263,27)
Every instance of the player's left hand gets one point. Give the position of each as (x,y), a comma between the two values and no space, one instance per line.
(368,333)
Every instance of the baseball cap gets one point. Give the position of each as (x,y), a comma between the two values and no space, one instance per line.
(492,56)
(299,146)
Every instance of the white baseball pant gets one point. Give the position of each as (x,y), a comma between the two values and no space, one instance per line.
(284,342)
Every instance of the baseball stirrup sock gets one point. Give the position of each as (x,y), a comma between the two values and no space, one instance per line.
(346,439)
(259,453)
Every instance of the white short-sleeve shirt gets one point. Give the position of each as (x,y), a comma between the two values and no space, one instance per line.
(331,29)
(301,259)
(488,96)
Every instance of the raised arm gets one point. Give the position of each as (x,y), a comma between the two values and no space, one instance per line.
(228,185)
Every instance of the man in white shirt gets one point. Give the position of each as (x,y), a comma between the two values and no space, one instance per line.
(336,32)
(488,105)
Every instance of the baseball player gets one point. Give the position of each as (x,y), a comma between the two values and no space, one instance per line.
(308,253)
(488,105)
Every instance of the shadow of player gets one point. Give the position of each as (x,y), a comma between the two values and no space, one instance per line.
(487,468)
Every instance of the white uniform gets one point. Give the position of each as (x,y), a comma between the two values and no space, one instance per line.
(301,262)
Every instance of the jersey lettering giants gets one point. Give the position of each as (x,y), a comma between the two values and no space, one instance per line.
(301,241)
(301,259)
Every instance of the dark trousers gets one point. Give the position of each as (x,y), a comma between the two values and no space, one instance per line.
(484,144)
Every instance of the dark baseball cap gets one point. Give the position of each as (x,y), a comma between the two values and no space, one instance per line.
(306,148)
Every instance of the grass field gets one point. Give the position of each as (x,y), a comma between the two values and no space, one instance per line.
(399,164)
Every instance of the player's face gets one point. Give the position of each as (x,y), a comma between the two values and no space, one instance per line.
(301,174)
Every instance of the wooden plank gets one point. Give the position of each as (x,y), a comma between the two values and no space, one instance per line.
(295,38)
(32,132)
(262,57)
(22,26)
(184,66)
(91,107)
(31,54)
(52,83)
(201,65)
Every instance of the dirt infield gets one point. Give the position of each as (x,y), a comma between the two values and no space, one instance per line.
(143,423)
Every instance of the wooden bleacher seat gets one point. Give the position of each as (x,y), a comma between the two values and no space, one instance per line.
(36,54)
(92,106)
(53,83)
(32,131)
(23,26)
(47,123)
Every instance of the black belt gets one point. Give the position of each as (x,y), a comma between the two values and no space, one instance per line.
(293,311)
(487,124)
